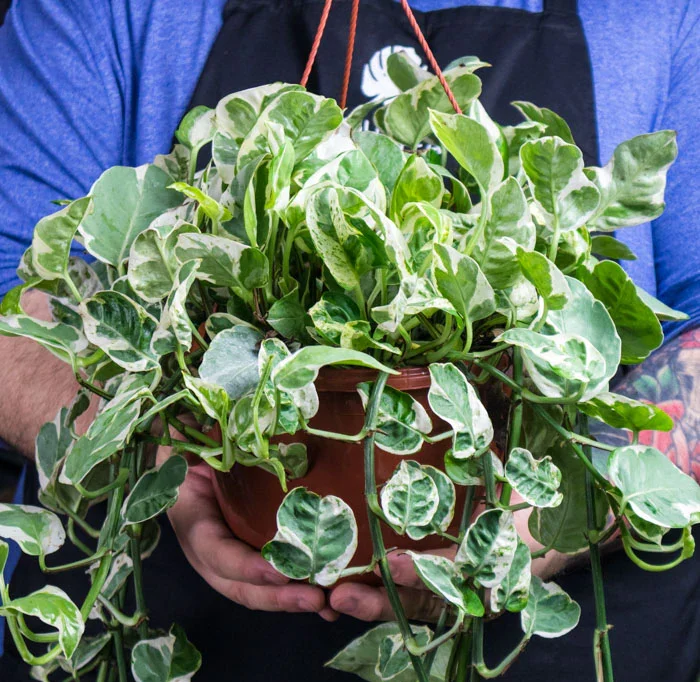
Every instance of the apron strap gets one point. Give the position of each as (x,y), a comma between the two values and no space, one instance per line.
(561,6)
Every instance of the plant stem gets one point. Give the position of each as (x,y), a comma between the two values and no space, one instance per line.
(81,563)
(439,629)
(435,643)
(379,550)
(118,639)
(187,430)
(516,420)
(601,652)
(135,552)
(119,481)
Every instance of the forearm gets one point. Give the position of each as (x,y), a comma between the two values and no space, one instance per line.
(34,384)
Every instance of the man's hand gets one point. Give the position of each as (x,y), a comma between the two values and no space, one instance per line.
(230,566)
(371,603)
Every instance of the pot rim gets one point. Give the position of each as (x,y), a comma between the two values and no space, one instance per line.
(345,379)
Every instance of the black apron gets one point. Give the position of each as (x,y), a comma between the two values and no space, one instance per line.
(539,57)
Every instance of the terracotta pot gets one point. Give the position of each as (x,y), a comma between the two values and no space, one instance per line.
(249,497)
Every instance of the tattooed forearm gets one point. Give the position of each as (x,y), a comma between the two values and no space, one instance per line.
(670,378)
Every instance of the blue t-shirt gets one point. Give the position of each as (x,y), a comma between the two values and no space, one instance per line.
(88,84)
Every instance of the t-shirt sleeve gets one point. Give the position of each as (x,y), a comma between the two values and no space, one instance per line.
(676,233)
(61,114)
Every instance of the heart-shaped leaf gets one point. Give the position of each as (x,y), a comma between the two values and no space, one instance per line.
(54,607)
(125,202)
(535,480)
(316,537)
(156,491)
(231,361)
(655,489)
(36,530)
(512,593)
(401,420)
(550,612)
(169,658)
(453,399)
(622,412)
(488,549)
(409,498)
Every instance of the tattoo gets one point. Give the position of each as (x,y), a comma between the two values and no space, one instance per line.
(670,378)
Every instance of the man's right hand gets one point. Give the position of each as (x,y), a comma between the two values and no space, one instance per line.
(230,566)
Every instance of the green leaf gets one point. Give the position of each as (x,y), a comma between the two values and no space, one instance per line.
(554,125)
(562,366)
(224,262)
(287,316)
(316,537)
(175,321)
(237,113)
(348,247)
(169,658)
(588,318)
(512,593)
(383,153)
(87,651)
(406,118)
(152,261)
(213,399)
(416,182)
(535,480)
(53,607)
(636,323)
(453,399)
(447,496)
(488,549)
(546,277)
(622,412)
(156,491)
(565,527)
(401,420)
(53,237)
(361,656)
(564,198)
(176,164)
(441,575)
(409,498)
(471,146)
(655,489)
(462,283)
(608,247)
(108,433)
(196,128)
(232,360)
(394,660)
(122,329)
(632,184)
(661,310)
(36,530)
(508,226)
(125,202)
(302,367)
(403,71)
(305,119)
(550,612)
(61,339)
(210,207)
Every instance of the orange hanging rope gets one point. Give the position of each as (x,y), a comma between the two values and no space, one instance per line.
(348,54)
(431,57)
(317,41)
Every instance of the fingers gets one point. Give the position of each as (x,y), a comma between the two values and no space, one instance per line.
(403,571)
(228,558)
(371,603)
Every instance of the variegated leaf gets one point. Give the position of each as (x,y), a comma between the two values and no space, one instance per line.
(169,658)
(401,420)
(550,612)
(512,593)
(410,497)
(453,399)
(535,480)
(316,537)
(487,551)
(36,530)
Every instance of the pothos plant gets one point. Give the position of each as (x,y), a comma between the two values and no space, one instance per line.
(483,252)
